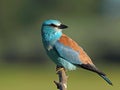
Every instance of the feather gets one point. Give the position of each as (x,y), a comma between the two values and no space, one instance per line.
(81,55)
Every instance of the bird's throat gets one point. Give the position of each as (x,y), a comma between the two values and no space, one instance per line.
(50,38)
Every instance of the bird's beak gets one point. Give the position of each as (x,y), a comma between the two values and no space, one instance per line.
(62,26)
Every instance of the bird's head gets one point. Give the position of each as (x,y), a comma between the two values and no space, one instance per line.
(52,30)
(52,26)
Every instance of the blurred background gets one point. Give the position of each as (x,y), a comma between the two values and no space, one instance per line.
(94,24)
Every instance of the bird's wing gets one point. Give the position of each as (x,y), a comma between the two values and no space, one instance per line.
(67,53)
(71,51)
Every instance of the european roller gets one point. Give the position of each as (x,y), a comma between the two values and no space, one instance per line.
(64,51)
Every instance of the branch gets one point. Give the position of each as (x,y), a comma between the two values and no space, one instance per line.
(62,84)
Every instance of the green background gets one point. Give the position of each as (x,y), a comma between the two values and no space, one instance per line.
(94,24)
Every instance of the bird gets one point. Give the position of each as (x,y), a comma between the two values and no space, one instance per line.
(64,51)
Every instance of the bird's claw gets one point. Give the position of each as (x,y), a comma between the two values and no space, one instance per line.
(58,69)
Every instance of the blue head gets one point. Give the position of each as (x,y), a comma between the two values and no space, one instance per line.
(52,30)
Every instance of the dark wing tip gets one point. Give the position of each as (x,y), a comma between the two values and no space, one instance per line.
(91,68)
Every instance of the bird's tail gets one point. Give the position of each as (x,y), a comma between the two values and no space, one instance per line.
(94,69)
(105,78)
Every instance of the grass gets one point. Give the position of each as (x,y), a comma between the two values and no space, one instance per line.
(36,77)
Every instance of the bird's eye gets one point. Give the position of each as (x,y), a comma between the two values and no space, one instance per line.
(53,25)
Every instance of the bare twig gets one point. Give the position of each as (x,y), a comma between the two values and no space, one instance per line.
(62,84)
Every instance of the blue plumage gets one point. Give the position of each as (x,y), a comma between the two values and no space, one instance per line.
(64,51)
(67,53)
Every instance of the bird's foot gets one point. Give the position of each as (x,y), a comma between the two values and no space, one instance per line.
(58,69)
